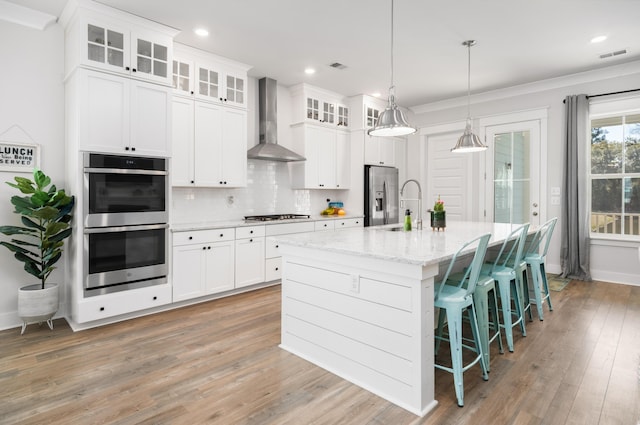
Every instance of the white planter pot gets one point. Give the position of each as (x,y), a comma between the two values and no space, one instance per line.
(36,305)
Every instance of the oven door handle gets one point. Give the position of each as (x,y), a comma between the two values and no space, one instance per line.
(125,228)
(125,171)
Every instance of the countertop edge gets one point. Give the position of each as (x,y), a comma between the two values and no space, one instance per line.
(210,225)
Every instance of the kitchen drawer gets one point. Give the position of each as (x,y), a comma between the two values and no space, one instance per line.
(325,225)
(117,303)
(249,232)
(272,248)
(203,236)
(349,222)
(287,228)
(273,269)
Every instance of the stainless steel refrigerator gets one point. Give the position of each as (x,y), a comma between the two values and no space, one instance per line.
(381,199)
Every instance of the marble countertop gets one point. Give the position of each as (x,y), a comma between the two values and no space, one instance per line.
(213,224)
(420,247)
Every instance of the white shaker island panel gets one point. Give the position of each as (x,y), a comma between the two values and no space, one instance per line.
(359,303)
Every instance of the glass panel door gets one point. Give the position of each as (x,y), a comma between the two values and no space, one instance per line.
(513,185)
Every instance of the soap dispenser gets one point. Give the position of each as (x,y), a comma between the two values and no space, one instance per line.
(407,220)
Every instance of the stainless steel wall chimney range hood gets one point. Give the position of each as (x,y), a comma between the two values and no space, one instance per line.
(268,147)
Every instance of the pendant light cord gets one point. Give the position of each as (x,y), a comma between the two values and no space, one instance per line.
(391,87)
(469,43)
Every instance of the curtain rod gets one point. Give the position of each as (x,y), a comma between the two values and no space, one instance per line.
(608,94)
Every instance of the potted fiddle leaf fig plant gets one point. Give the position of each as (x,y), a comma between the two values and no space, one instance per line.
(45,214)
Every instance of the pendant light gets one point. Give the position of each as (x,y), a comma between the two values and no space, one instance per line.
(469,142)
(391,121)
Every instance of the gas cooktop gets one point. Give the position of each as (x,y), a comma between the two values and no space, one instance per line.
(275,217)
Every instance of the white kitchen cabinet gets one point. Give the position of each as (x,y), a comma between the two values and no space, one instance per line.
(203,263)
(119,115)
(250,255)
(209,77)
(380,150)
(210,143)
(182,76)
(106,39)
(343,159)
(318,106)
(220,84)
(328,154)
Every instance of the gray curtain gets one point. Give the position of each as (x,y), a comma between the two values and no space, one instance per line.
(574,250)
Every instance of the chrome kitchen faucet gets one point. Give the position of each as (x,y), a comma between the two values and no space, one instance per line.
(419,219)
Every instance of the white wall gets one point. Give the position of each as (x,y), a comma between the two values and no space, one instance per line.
(610,261)
(31,97)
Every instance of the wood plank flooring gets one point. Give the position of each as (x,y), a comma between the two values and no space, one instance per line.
(219,363)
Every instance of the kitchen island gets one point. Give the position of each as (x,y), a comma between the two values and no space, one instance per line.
(359,303)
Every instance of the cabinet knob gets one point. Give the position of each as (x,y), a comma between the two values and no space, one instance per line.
(276,269)
(277,246)
(250,240)
(221,235)
(155,298)
(251,231)
(101,308)
(192,181)
(221,183)
(133,149)
(204,247)
(208,247)
(126,68)
(134,70)
(221,99)
(190,237)
(126,148)
(192,92)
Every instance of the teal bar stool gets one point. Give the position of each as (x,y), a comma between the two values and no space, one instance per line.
(506,270)
(535,259)
(453,297)
(485,301)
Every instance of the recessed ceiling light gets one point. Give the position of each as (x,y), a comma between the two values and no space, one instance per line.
(599,39)
(309,71)
(201,32)
(376,94)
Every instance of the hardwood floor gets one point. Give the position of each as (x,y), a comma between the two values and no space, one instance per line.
(219,363)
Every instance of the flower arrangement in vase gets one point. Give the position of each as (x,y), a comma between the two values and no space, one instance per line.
(438,215)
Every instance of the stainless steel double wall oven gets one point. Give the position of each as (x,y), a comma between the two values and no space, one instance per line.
(125,222)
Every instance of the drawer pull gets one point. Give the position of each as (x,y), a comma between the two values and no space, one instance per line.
(155,298)
(101,308)
(250,240)
(277,246)
(190,237)
(221,235)
(276,269)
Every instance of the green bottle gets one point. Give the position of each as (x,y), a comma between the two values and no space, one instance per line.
(407,220)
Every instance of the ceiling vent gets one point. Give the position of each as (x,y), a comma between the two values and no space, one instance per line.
(337,65)
(612,54)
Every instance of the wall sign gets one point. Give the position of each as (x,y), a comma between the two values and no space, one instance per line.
(19,157)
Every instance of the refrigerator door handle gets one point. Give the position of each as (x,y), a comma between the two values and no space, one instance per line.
(385,202)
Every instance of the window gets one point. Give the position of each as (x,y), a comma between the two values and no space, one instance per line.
(615,174)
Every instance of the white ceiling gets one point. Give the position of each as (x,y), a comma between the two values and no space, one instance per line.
(518,41)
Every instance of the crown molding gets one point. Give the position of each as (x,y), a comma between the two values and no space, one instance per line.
(628,68)
(25,16)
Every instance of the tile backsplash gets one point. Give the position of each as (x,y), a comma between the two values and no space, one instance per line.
(268,191)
